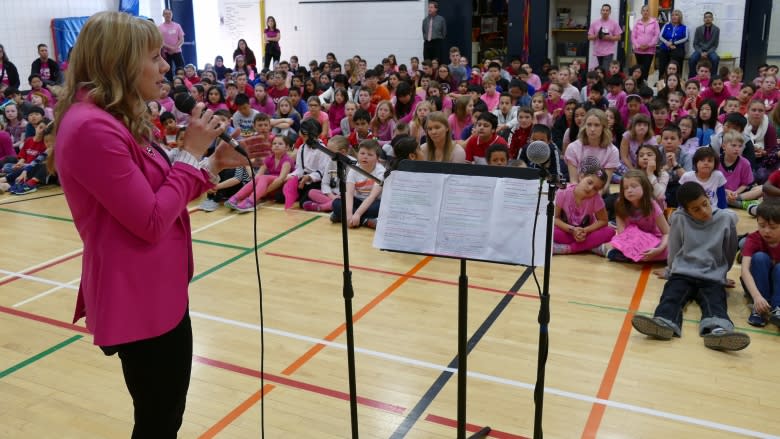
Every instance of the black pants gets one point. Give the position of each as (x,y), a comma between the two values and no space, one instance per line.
(663,57)
(434,49)
(176,61)
(223,194)
(272,52)
(644,61)
(711,297)
(157,374)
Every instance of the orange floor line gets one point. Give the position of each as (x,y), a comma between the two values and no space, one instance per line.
(308,355)
(597,410)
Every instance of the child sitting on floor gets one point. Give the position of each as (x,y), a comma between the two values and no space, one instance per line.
(760,270)
(702,246)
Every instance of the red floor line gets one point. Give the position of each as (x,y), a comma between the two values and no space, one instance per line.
(285,381)
(42,319)
(393,273)
(368,402)
(447,422)
(42,267)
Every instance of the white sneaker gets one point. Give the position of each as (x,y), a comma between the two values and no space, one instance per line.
(208,205)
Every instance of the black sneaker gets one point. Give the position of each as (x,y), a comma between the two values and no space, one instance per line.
(756,319)
(652,327)
(720,339)
(774,316)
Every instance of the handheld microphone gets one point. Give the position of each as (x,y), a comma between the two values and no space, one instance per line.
(185,103)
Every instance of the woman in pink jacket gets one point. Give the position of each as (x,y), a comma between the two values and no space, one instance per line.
(644,39)
(129,203)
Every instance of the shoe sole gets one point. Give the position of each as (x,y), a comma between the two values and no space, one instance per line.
(730,341)
(757,323)
(648,326)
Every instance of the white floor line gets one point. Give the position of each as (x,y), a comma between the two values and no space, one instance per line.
(297,211)
(219,221)
(41,264)
(46,293)
(480,376)
(58,286)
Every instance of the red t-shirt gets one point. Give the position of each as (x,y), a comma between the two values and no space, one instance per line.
(31,149)
(476,148)
(755,243)
(353,139)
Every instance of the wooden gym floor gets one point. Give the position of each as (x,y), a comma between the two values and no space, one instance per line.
(603,379)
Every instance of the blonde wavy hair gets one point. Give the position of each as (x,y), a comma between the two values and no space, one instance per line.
(606,134)
(106,62)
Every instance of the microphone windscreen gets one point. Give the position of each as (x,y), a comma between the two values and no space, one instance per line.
(538,152)
(184,102)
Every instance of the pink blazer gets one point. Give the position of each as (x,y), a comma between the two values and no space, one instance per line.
(130,209)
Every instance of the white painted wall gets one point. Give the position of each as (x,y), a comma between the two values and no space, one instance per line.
(25,26)
(372,30)
(219,24)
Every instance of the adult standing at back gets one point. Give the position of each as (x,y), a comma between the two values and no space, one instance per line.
(46,67)
(272,49)
(249,56)
(173,38)
(605,33)
(673,37)
(434,30)
(644,39)
(705,44)
(9,75)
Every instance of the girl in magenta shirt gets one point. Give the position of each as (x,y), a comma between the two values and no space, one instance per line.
(269,178)
(581,216)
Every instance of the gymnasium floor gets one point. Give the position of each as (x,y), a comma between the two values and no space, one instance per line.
(603,379)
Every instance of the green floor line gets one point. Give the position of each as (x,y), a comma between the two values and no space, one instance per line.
(70,220)
(220,244)
(37,215)
(625,310)
(249,251)
(37,357)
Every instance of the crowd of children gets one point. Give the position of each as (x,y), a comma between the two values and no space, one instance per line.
(713,131)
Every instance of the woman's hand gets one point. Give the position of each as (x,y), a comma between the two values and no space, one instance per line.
(201,131)
(226,157)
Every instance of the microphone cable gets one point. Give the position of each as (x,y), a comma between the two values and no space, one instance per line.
(533,236)
(256,249)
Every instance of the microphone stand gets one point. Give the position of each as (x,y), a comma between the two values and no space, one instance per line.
(342,162)
(544,304)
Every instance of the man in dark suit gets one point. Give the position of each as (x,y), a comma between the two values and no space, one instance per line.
(705,44)
(434,30)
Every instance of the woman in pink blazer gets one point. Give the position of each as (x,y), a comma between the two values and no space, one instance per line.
(644,39)
(129,203)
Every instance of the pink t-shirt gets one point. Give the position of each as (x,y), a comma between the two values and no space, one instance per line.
(610,27)
(646,223)
(456,126)
(171,32)
(740,175)
(274,168)
(322,119)
(732,89)
(491,101)
(608,157)
(575,213)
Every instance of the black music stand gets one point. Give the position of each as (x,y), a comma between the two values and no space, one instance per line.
(472,171)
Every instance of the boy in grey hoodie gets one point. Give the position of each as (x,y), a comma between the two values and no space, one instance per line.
(702,246)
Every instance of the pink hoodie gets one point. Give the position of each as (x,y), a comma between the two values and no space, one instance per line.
(645,34)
